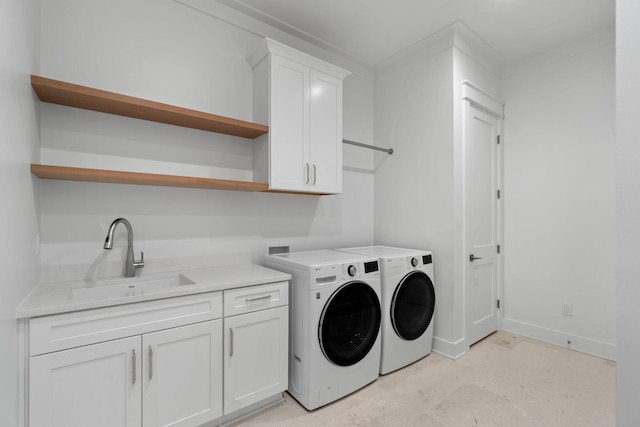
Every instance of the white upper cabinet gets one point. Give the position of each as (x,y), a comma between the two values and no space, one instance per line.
(300,98)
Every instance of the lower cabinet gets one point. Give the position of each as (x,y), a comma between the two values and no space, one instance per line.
(97,385)
(182,378)
(160,363)
(166,378)
(255,360)
(256,343)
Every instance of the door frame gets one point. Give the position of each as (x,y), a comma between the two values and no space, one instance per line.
(474,96)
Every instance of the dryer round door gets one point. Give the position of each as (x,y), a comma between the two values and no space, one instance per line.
(349,323)
(412,305)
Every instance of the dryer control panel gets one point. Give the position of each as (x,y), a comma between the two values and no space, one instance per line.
(402,264)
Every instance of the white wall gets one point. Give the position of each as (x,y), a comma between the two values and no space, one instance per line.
(413,203)
(559,196)
(18,207)
(168,52)
(417,189)
(628,210)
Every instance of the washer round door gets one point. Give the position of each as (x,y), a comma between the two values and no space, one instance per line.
(349,323)
(412,305)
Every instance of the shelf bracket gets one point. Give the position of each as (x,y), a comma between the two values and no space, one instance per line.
(371,147)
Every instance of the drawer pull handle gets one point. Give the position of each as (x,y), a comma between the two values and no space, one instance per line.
(230,342)
(150,362)
(306,166)
(133,362)
(265,298)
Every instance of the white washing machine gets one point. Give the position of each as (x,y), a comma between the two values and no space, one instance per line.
(408,303)
(335,315)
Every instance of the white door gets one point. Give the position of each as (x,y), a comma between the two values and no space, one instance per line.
(96,385)
(482,218)
(325,133)
(256,357)
(182,375)
(289,168)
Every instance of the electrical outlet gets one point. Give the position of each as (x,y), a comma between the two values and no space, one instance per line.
(567,309)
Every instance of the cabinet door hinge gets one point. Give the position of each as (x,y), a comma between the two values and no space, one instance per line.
(498,303)
(498,248)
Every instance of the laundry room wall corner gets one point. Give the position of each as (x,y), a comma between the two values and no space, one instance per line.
(560,194)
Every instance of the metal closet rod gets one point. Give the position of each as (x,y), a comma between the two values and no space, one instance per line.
(371,147)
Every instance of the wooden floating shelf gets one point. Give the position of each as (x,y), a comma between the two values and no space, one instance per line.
(72,95)
(65,173)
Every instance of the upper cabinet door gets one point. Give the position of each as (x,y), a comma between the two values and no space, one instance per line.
(325,133)
(303,106)
(289,121)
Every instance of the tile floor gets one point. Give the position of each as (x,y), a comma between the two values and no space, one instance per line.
(505,380)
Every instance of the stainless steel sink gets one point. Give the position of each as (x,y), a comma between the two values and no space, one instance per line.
(119,287)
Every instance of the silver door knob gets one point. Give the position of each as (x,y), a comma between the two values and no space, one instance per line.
(472,257)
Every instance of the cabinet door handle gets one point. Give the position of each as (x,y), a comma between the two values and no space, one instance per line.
(314,174)
(306,167)
(230,342)
(150,362)
(133,362)
(264,298)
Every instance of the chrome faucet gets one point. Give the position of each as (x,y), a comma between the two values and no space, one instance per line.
(130,265)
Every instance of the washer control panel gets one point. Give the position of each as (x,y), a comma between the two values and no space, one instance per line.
(360,270)
(352,270)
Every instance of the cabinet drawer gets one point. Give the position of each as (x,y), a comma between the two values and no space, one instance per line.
(254,298)
(59,332)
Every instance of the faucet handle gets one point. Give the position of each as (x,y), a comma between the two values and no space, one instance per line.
(139,264)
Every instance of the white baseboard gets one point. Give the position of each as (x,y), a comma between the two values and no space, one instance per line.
(235,417)
(552,336)
(452,350)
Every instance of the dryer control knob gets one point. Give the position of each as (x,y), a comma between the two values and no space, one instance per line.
(351,270)
(414,262)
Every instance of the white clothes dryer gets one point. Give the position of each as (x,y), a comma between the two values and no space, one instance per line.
(408,304)
(335,315)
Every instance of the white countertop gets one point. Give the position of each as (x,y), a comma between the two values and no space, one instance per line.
(59,297)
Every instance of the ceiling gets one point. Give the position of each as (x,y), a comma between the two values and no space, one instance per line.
(370,31)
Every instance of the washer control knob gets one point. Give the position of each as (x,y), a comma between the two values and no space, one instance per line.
(414,262)
(351,270)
